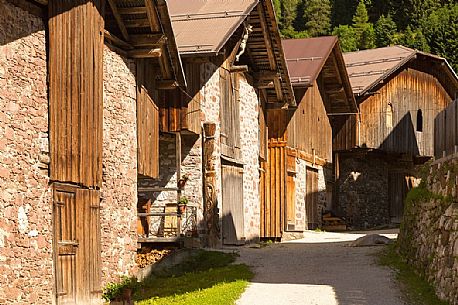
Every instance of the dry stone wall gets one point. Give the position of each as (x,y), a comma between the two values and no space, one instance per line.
(429,233)
(119,188)
(25,205)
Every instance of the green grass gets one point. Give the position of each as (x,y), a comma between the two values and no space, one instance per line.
(416,290)
(206,278)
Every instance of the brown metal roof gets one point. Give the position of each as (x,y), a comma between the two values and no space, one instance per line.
(311,58)
(367,68)
(306,57)
(204,26)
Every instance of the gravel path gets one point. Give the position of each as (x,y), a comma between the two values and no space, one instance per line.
(319,270)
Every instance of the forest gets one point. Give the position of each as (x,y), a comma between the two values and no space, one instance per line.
(425,25)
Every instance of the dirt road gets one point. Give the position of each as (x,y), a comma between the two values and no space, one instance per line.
(319,270)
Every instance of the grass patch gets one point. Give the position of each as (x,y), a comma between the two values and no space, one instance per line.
(206,278)
(416,290)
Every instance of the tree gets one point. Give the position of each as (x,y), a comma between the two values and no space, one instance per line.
(277,8)
(441,31)
(364,30)
(347,38)
(317,17)
(415,39)
(385,31)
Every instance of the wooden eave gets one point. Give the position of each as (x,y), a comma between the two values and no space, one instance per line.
(265,50)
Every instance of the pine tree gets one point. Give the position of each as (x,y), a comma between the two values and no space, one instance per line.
(364,30)
(385,31)
(415,39)
(277,8)
(317,17)
(347,38)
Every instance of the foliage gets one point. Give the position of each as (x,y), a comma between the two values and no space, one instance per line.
(317,17)
(414,39)
(415,288)
(115,290)
(347,38)
(364,30)
(183,200)
(385,31)
(206,278)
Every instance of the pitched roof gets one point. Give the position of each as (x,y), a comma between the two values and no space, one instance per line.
(369,68)
(309,57)
(204,26)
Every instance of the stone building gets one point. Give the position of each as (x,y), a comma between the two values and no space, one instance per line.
(69,157)
(399,92)
(303,137)
(210,135)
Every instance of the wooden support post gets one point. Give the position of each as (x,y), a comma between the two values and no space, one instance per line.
(211,203)
(178,165)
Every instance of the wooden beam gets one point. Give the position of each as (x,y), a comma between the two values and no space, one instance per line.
(166,84)
(266,75)
(144,40)
(116,40)
(137,23)
(268,43)
(145,53)
(152,16)
(165,64)
(119,21)
(243,68)
(132,10)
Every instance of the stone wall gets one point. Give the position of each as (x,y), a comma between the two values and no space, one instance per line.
(249,135)
(362,189)
(301,189)
(25,205)
(429,233)
(119,188)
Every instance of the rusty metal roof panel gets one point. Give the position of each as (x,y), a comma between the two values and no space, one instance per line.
(367,68)
(306,57)
(204,26)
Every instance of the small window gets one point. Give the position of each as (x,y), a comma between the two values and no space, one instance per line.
(419,120)
(389,115)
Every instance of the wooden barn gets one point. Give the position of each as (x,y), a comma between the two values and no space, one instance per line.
(399,92)
(79,123)
(296,181)
(211,140)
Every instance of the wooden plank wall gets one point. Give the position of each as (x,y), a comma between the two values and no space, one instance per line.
(233,228)
(290,191)
(273,190)
(310,130)
(76,91)
(311,198)
(344,132)
(446,131)
(180,108)
(147,121)
(408,92)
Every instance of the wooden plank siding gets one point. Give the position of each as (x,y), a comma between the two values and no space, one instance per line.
(311,198)
(147,121)
(309,129)
(446,131)
(389,116)
(180,108)
(76,91)
(344,132)
(77,249)
(273,183)
(230,113)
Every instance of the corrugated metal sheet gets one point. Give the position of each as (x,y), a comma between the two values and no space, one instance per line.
(366,68)
(204,26)
(306,57)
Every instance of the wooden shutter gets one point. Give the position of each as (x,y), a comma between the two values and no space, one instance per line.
(290,192)
(77,245)
(311,198)
(230,113)
(76,91)
(147,122)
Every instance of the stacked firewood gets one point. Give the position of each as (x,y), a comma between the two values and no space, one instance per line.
(150,256)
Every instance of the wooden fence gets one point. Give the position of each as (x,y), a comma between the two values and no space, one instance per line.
(446,132)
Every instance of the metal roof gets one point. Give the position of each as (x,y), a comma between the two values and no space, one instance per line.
(368,68)
(204,26)
(306,57)
(309,58)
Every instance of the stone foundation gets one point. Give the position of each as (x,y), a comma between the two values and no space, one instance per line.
(362,189)
(429,233)
(25,198)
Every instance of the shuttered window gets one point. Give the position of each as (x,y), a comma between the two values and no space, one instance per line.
(230,112)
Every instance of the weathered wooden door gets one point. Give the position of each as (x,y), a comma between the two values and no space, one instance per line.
(76,245)
(398,187)
(311,198)
(233,220)
(290,193)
